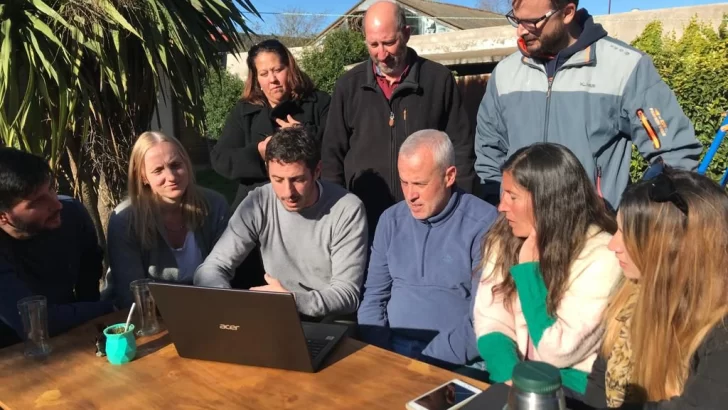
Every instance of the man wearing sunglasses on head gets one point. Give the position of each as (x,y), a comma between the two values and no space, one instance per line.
(570,83)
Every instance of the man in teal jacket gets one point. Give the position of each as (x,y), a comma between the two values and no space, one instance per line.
(572,84)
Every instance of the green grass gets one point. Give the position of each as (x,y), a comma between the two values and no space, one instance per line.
(208,178)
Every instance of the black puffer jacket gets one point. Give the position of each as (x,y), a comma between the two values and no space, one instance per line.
(364,130)
(235,156)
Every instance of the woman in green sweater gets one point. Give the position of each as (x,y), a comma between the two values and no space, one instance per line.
(546,273)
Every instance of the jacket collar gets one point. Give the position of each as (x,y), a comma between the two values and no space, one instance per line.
(409,82)
(586,57)
(249,108)
(581,53)
(449,209)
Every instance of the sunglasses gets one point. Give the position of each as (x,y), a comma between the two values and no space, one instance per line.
(662,189)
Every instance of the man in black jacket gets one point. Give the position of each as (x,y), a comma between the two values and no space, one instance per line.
(48,246)
(379,103)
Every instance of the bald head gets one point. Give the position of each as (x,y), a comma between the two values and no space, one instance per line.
(386,33)
(385,14)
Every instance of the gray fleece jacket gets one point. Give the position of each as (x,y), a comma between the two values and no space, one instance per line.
(319,253)
(129,262)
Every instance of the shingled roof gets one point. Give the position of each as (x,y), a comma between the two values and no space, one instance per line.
(444,10)
(448,14)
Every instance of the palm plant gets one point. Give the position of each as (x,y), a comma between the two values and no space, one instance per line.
(79,79)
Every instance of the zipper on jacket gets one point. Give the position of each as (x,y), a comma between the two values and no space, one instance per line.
(424,249)
(548,106)
(392,149)
(599,180)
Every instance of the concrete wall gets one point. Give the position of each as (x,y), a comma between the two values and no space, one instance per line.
(623,26)
(627,26)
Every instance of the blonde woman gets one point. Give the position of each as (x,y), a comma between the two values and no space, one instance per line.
(666,343)
(167,225)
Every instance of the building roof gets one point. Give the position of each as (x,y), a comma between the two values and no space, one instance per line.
(459,17)
(458,14)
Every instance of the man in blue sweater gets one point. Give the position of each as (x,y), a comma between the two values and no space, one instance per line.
(48,246)
(421,283)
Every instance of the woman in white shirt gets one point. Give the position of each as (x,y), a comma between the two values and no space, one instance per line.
(167,225)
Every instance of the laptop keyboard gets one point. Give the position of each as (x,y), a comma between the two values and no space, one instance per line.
(315,346)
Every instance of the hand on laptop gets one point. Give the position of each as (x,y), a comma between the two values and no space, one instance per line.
(273,285)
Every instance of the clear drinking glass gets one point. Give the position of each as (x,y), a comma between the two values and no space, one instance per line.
(146,309)
(34,314)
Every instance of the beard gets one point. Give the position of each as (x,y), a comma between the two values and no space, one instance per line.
(551,43)
(31,228)
(394,63)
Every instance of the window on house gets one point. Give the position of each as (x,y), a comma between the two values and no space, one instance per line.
(415,23)
(356,22)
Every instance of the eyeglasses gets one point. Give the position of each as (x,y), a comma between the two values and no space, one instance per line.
(528,24)
(662,189)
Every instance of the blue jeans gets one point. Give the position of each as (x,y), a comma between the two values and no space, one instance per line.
(413,348)
(407,347)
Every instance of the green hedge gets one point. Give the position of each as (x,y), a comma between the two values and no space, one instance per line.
(325,64)
(222,91)
(696,68)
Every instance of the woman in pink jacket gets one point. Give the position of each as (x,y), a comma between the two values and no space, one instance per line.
(546,273)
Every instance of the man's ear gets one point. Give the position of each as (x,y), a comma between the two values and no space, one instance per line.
(451,174)
(406,32)
(317,171)
(569,13)
(5,220)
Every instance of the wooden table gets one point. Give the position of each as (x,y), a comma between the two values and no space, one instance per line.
(355,376)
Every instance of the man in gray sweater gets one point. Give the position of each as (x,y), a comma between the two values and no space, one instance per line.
(312,234)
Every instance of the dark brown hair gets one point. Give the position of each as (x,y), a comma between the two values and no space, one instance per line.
(299,84)
(565,207)
(292,145)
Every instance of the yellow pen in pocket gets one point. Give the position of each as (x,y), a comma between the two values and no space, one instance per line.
(648,128)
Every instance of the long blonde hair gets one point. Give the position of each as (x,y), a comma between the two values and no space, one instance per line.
(682,292)
(145,212)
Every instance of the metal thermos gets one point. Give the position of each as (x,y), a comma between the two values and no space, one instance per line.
(536,386)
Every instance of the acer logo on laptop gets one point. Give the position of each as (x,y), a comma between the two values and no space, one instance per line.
(228,327)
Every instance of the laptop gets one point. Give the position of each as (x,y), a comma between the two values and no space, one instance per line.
(243,327)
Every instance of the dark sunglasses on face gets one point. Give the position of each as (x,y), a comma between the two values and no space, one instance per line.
(528,24)
(662,189)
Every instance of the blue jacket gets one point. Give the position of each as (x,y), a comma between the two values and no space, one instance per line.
(421,282)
